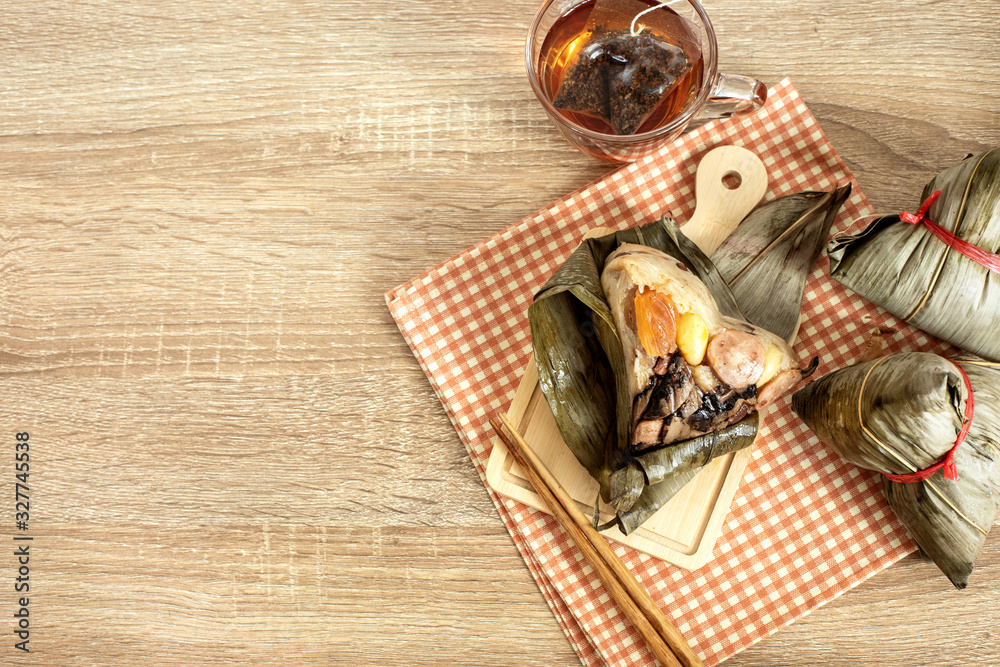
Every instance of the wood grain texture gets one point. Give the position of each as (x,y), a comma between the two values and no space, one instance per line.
(235,456)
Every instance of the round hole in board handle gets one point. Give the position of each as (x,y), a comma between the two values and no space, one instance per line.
(732,180)
(719,208)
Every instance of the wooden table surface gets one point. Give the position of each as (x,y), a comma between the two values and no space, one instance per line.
(235,459)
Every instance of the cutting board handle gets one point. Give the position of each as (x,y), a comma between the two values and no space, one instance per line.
(729,183)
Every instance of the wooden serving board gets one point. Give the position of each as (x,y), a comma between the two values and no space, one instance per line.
(683,531)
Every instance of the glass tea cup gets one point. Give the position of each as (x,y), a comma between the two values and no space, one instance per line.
(707,94)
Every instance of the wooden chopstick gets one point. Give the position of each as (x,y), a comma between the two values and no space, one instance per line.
(664,640)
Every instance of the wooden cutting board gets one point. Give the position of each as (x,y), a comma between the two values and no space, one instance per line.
(730,181)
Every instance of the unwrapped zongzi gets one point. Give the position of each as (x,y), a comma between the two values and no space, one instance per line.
(588,383)
(581,370)
(690,369)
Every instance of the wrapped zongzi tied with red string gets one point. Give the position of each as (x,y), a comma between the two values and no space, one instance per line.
(931,427)
(937,269)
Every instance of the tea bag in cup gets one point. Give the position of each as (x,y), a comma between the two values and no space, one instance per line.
(637,66)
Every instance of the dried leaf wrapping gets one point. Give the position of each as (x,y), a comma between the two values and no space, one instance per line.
(917,277)
(900,414)
(767,260)
(579,356)
(665,462)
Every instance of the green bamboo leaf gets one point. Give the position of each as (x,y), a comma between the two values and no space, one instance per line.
(900,414)
(769,257)
(917,277)
(578,355)
(660,464)
(651,499)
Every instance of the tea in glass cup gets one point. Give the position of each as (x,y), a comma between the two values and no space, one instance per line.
(621,78)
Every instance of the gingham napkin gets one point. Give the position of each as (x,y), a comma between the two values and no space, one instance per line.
(804,526)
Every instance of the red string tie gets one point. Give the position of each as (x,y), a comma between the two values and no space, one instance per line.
(983,257)
(948,462)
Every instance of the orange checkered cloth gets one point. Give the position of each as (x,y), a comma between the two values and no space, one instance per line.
(804,526)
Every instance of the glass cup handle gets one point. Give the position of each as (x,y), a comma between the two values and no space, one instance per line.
(733,96)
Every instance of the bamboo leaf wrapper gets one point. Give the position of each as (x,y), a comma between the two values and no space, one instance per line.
(900,414)
(920,279)
(581,367)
